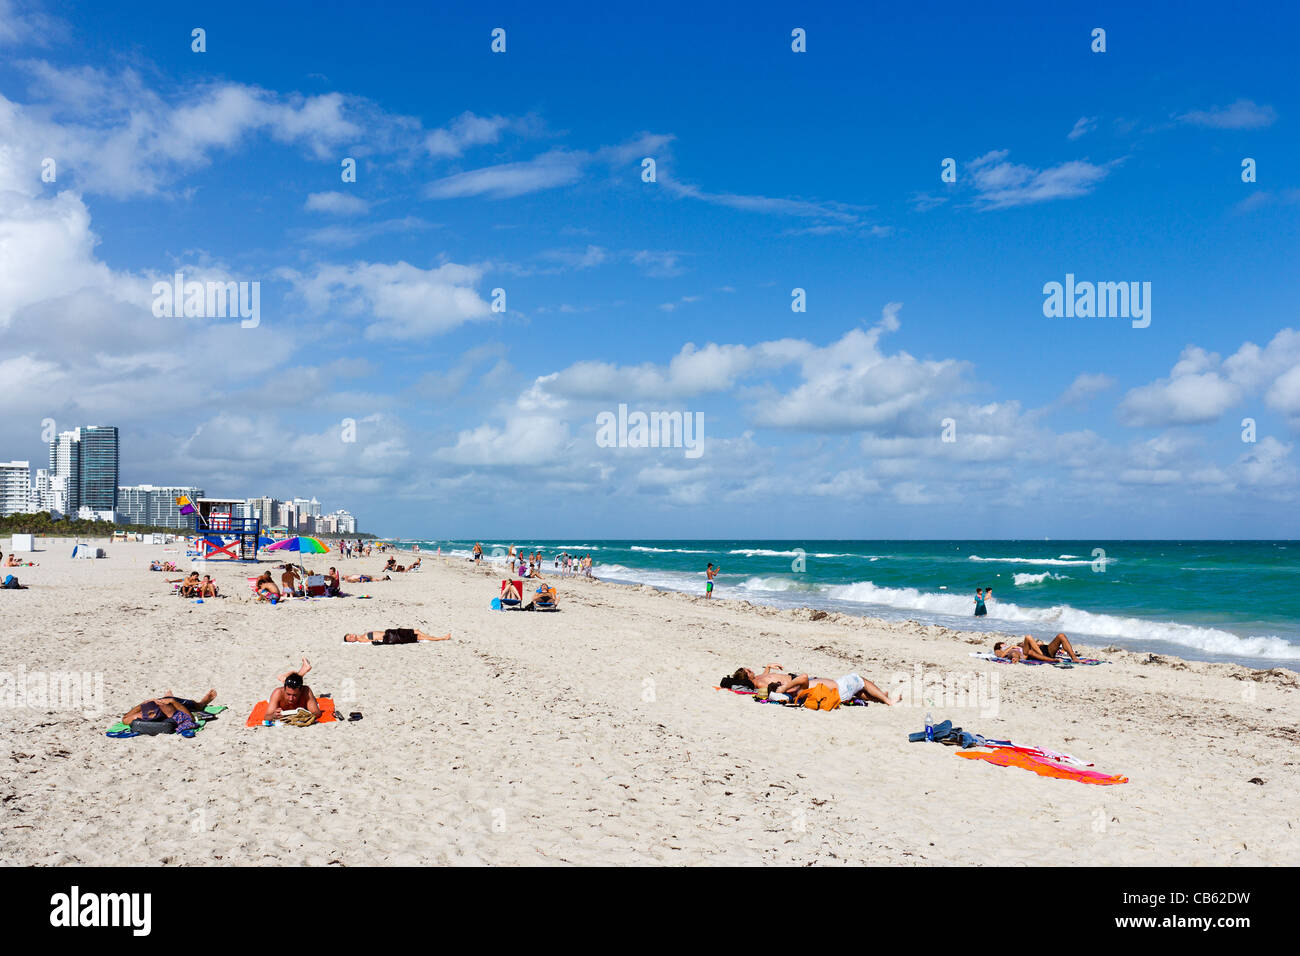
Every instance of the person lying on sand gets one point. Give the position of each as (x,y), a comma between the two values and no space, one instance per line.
(292,695)
(849,686)
(13,562)
(166,707)
(1032,650)
(357,578)
(393,635)
(747,678)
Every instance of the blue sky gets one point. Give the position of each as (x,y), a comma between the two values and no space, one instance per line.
(775,170)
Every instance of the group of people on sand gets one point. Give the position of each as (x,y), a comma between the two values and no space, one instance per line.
(353,549)
(192,586)
(392,566)
(13,562)
(163,566)
(775,679)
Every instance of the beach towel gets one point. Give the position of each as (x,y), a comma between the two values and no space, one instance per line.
(1044,767)
(259,712)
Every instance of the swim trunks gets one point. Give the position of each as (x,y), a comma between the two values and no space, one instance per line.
(849,685)
(399,635)
(709,586)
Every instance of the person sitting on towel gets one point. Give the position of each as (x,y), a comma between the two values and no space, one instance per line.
(292,696)
(1032,650)
(332,582)
(207,587)
(166,707)
(393,635)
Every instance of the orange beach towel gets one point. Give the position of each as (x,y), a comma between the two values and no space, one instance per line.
(1004,757)
(326,712)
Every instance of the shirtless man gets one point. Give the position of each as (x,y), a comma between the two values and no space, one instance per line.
(1033,650)
(292,696)
(166,707)
(849,686)
(266,588)
(393,635)
(290,579)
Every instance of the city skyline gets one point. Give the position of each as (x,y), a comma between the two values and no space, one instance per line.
(82,481)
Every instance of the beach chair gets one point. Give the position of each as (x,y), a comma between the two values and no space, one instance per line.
(512,594)
(544,599)
(316,585)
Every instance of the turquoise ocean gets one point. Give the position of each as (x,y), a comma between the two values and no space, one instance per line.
(1236,601)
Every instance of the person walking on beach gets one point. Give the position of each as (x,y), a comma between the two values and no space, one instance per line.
(980,609)
(710,573)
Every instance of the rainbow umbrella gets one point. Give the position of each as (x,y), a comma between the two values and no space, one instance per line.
(303,544)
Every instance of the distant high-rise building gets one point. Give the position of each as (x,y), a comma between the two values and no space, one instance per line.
(15,487)
(99,463)
(147,504)
(87,459)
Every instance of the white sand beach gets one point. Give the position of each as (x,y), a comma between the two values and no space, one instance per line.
(595,735)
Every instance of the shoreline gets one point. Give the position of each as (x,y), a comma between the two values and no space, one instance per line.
(595,735)
(1159,647)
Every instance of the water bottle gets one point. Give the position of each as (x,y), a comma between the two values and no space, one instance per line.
(929,726)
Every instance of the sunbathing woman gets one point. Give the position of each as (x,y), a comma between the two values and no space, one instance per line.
(748,679)
(393,635)
(1031,649)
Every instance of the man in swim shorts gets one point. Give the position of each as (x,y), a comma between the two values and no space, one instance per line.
(393,635)
(849,686)
(710,573)
(168,707)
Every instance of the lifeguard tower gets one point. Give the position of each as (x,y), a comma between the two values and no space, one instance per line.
(219,536)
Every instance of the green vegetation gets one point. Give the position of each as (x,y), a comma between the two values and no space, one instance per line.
(41,524)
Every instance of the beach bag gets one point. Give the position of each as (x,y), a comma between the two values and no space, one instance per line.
(820,697)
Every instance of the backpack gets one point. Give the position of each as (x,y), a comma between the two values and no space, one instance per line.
(819,697)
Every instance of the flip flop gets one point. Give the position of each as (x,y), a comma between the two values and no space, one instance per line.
(122,734)
(355,715)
